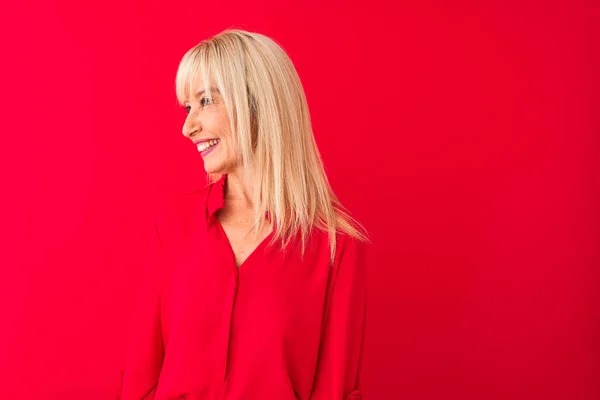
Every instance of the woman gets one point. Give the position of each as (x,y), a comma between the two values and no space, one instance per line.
(256,285)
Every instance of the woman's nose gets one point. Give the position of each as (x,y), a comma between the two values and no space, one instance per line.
(190,126)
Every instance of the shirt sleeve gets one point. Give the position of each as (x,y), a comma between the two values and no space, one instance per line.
(338,374)
(139,376)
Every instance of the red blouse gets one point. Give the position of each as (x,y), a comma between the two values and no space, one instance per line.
(278,327)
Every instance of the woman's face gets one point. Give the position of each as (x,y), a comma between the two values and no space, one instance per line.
(207,125)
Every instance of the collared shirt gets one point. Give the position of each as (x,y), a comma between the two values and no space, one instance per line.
(281,326)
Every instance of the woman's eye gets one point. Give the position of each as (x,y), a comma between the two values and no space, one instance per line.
(206,101)
(187,109)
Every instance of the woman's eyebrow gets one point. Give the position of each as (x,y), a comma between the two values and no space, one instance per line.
(201,92)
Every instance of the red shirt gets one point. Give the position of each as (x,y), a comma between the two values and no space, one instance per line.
(278,327)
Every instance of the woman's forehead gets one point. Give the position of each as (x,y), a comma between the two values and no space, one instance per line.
(197,84)
(196,87)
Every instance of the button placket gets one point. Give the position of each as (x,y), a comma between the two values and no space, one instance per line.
(226,326)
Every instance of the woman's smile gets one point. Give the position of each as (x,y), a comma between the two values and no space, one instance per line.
(206,146)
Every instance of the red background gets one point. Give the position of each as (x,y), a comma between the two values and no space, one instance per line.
(465,138)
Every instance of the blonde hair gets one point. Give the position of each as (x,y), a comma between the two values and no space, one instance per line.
(272,131)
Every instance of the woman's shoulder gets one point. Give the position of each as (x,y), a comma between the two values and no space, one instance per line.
(348,243)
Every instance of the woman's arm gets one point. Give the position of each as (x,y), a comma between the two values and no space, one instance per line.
(146,350)
(338,374)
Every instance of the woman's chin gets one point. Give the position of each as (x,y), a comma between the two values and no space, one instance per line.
(220,167)
(211,168)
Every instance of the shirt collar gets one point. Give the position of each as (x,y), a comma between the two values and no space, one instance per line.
(216,196)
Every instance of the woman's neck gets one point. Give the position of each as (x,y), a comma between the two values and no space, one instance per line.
(238,191)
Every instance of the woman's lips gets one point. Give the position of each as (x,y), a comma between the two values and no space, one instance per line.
(198,141)
(207,145)
(211,148)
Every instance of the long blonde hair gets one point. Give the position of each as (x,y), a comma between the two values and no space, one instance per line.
(272,131)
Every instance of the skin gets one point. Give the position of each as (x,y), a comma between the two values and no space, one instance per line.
(207,118)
